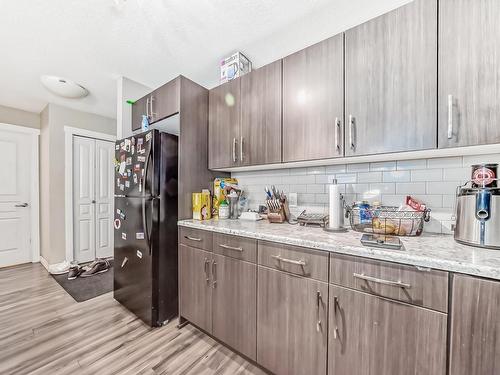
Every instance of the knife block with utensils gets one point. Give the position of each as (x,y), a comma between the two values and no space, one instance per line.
(276,210)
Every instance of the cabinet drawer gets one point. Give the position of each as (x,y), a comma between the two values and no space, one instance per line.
(200,239)
(427,288)
(293,259)
(236,247)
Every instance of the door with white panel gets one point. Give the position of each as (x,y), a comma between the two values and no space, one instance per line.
(93,175)
(15,204)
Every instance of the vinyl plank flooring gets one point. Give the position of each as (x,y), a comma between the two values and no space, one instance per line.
(44,331)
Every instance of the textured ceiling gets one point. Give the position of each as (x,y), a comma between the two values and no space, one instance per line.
(151,41)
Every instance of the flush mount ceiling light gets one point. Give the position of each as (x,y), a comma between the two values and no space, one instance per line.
(64,87)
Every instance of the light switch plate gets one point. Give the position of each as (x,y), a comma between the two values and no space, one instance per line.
(292,199)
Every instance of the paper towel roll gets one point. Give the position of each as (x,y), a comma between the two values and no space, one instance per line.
(334,206)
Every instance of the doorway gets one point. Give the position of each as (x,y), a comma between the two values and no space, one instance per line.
(18,195)
(93,189)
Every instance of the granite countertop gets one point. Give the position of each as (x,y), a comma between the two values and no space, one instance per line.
(428,250)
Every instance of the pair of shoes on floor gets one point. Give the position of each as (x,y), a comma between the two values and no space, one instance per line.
(97,266)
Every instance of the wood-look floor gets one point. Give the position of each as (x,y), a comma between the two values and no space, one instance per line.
(44,331)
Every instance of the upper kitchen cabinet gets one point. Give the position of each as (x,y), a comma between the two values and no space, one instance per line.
(469,72)
(391,77)
(224,125)
(260,139)
(161,103)
(313,97)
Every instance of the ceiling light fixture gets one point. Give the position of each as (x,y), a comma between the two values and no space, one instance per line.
(64,87)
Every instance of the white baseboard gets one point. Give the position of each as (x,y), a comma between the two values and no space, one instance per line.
(53,268)
(44,263)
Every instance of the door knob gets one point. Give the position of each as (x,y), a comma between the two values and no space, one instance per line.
(93,201)
(22,205)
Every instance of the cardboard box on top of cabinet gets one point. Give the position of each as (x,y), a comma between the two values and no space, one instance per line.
(202,209)
(234,66)
(222,186)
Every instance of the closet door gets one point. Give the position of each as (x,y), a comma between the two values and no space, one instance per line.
(84,199)
(104,175)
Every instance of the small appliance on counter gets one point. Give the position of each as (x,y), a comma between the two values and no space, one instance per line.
(478,208)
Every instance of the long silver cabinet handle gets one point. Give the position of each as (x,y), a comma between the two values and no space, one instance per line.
(318,307)
(337,134)
(450,116)
(351,132)
(207,275)
(335,312)
(398,284)
(192,238)
(234,150)
(214,273)
(241,149)
(147,107)
(301,262)
(230,247)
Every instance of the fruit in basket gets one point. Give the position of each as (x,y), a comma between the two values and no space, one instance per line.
(376,223)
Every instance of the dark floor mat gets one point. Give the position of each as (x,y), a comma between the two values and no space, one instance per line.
(85,288)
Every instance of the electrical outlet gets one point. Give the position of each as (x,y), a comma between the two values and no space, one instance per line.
(292,199)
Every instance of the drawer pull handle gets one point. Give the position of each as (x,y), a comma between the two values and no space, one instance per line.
(318,306)
(335,312)
(207,276)
(301,262)
(214,273)
(231,247)
(192,238)
(398,284)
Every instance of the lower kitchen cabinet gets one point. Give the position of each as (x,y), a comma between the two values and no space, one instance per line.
(291,323)
(234,304)
(475,326)
(369,335)
(195,294)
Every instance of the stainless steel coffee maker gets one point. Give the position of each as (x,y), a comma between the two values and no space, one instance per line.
(478,208)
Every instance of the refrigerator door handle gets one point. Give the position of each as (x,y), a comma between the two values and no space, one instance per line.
(146,167)
(145,225)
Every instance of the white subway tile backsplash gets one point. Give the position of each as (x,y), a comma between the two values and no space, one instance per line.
(396,176)
(450,162)
(433,181)
(316,170)
(411,164)
(383,166)
(443,187)
(427,175)
(410,188)
(361,167)
(346,178)
(370,177)
(457,174)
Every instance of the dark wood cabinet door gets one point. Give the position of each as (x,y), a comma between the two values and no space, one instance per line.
(235,304)
(313,98)
(291,323)
(195,288)
(391,79)
(138,110)
(475,326)
(260,141)
(469,72)
(369,335)
(164,101)
(224,125)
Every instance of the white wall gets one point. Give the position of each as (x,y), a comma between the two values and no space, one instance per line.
(127,89)
(14,116)
(431,180)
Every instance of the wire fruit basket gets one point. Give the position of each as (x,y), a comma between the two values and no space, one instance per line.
(387,220)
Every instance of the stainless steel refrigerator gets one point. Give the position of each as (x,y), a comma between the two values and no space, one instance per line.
(145,222)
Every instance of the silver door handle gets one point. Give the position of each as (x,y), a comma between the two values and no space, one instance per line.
(234,150)
(318,306)
(351,132)
(205,266)
(301,262)
(337,134)
(335,312)
(151,99)
(93,201)
(147,107)
(241,149)
(398,284)
(450,116)
(231,247)
(22,205)
(192,238)
(214,273)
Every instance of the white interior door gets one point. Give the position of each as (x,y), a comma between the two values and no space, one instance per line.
(84,239)
(104,191)
(15,204)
